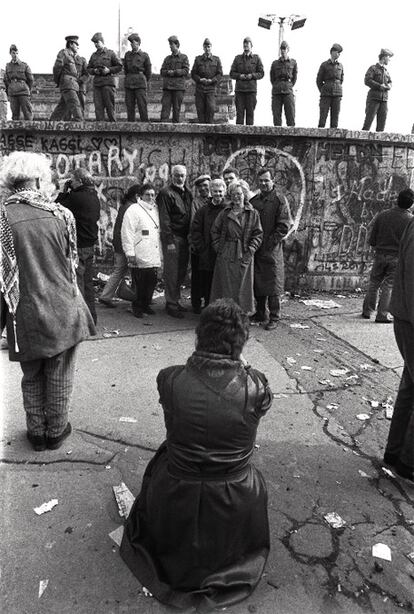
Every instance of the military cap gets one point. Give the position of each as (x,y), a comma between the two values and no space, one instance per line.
(207,41)
(284,45)
(97,37)
(134,37)
(173,39)
(337,47)
(13,48)
(202,178)
(72,38)
(386,52)
(247,39)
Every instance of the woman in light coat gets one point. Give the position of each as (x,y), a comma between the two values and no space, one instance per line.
(140,235)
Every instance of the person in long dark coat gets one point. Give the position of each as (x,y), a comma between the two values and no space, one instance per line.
(269,268)
(236,235)
(198,534)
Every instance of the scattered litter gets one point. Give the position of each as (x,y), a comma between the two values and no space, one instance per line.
(374,404)
(332,406)
(95,359)
(127,419)
(318,351)
(340,295)
(388,472)
(42,587)
(117,534)
(410,556)
(321,304)
(306,368)
(146,592)
(363,416)
(69,452)
(69,530)
(298,325)
(124,499)
(381,551)
(335,520)
(290,360)
(339,372)
(353,377)
(49,545)
(156,346)
(363,474)
(280,395)
(366,367)
(257,446)
(389,408)
(102,276)
(326,382)
(321,338)
(339,588)
(107,466)
(46,507)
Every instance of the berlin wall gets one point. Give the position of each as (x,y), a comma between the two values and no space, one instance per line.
(334,181)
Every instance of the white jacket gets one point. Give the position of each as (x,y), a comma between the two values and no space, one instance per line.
(140,234)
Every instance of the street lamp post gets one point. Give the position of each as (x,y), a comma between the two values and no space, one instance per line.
(294,21)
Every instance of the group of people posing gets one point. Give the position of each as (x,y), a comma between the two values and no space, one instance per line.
(71,73)
(232,238)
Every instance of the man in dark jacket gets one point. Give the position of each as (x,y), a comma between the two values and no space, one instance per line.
(202,197)
(399,451)
(329,81)
(18,80)
(283,75)
(65,75)
(174,205)
(137,68)
(103,65)
(269,270)
(174,70)
(201,241)
(386,233)
(206,73)
(378,79)
(247,69)
(80,197)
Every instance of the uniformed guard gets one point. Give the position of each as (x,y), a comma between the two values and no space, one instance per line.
(18,80)
(329,81)
(66,77)
(207,73)
(103,65)
(378,79)
(174,70)
(137,68)
(247,69)
(283,75)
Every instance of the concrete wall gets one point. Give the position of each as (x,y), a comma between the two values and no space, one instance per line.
(334,181)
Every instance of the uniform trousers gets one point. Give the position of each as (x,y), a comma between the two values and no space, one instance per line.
(136,97)
(104,99)
(245,106)
(374,108)
(174,99)
(23,104)
(206,106)
(286,101)
(68,108)
(47,386)
(332,104)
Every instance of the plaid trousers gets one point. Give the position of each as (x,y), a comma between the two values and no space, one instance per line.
(47,385)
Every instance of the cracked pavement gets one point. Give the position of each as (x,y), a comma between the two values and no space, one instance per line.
(316,455)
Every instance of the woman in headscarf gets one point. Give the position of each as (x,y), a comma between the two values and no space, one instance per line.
(236,235)
(197,534)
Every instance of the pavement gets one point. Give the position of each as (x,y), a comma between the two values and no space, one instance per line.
(325,366)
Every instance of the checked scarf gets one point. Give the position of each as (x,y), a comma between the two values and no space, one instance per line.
(9,269)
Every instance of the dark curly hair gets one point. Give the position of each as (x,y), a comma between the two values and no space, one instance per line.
(223,328)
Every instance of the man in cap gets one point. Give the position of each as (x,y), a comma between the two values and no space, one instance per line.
(137,68)
(202,189)
(329,81)
(174,70)
(66,76)
(283,75)
(103,65)
(246,69)
(206,72)
(378,79)
(18,80)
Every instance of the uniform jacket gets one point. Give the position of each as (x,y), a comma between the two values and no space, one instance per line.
(180,65)
(245,64)
(283,75)
(201,241)
(377,75)
(137,68)
(402,299)
(65,71)
(174,206)
(330,78)
(84,203)
(18,79)
(83,75)
(388,228)
(99,59)
(140,234)
(52,315)
(207,67)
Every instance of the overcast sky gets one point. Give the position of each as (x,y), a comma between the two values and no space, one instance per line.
(362,27)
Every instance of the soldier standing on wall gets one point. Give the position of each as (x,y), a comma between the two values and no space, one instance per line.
(174,70)
(329,81)
(247,69)
(378,79)
(65,75)
(18,80)
(283,75)
(206,72)
(103,65)
(137,68)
